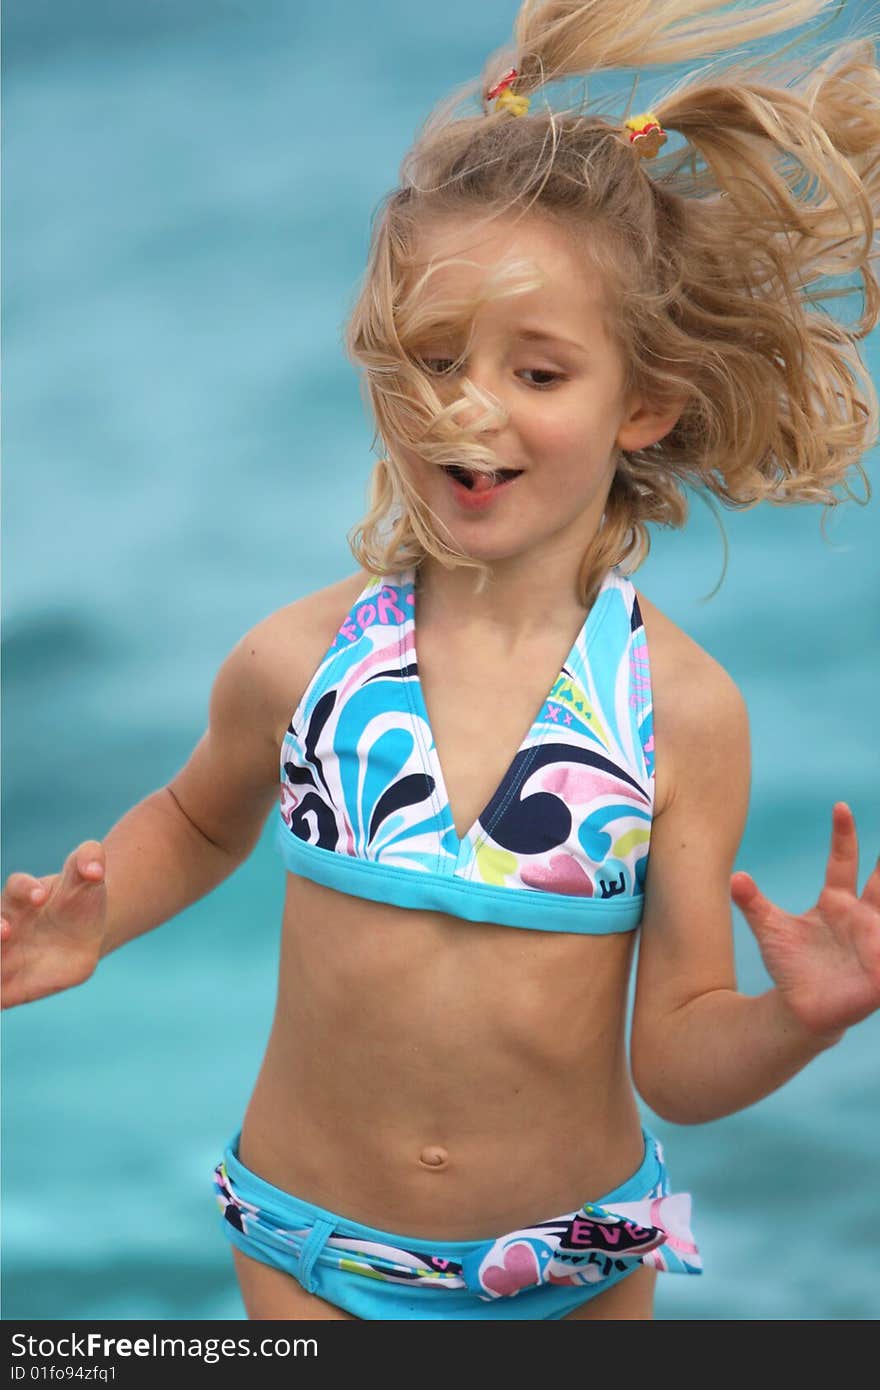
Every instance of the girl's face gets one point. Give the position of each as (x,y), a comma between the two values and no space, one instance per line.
(549,360)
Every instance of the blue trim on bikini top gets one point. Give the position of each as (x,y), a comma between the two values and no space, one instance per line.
(474,902)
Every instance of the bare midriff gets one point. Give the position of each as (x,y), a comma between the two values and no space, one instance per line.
(440,1078)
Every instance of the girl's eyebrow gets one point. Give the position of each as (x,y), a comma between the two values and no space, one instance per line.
(539,335)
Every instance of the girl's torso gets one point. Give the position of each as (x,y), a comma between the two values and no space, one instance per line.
(441,1077)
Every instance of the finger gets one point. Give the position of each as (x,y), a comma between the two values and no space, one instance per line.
(85,865)
(871,895)
(91,860)
(757,910)
(842,870)
(22,890)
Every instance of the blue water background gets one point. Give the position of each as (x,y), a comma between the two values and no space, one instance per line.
(188,192)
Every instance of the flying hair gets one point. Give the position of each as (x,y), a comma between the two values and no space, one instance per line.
(718,257)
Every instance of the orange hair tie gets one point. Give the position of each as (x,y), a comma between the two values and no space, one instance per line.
(647,134)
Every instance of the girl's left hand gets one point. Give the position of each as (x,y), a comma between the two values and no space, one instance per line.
(825,963)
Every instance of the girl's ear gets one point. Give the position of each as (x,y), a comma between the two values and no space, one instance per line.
(644,425)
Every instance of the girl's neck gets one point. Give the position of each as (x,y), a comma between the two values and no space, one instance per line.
(526,597)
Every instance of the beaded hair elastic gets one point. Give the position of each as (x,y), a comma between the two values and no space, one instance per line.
(646,134)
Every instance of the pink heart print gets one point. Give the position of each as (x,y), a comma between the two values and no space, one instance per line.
(519,1271)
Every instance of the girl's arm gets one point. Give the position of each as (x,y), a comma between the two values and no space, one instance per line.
(171,849)
(700,1049)
(185,839)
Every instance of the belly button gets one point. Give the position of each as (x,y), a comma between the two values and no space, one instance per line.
(433,1156)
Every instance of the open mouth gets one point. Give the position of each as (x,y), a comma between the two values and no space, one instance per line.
(481,481)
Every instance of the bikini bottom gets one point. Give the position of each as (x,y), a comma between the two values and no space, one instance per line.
(545,1270)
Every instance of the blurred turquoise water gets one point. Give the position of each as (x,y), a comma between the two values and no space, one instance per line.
(185,449)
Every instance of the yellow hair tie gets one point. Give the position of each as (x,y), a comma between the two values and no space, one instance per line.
(506,99)
(647,134)
(509,101)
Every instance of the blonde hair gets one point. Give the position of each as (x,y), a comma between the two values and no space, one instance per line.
(714,255)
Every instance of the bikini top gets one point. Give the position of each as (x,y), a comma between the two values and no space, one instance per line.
(563,843)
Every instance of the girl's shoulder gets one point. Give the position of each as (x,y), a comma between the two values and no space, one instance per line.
(689,689)
(231,779)
(295,640)
(670,649)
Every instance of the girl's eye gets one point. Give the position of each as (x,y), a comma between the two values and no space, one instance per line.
(539,371)
(439,366)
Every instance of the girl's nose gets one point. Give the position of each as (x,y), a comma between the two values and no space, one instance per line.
(485,411)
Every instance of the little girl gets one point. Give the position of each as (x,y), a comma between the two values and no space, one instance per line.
(498,760)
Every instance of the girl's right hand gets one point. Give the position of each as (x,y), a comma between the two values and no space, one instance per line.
(52,928)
